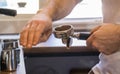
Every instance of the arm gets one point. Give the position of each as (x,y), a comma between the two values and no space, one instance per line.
(111,11)
(39,28)
(57,9)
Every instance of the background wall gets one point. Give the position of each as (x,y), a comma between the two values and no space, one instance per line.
(15,24)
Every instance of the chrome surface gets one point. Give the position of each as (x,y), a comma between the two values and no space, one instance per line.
(10,53)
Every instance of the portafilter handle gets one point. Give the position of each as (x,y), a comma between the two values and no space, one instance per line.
(9,12)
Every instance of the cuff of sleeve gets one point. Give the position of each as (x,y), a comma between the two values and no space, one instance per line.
(110,58)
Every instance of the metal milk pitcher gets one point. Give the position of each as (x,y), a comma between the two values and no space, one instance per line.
(10,56)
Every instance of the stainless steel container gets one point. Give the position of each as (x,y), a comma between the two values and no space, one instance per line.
(8,60)
(9,55)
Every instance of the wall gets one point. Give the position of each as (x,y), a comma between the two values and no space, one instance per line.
(13,24)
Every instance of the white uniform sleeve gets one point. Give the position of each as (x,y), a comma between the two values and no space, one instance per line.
(108,64)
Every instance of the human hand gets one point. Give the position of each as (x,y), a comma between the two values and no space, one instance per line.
(105,38)
(38,29)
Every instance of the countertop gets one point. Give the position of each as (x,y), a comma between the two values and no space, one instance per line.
(54,45)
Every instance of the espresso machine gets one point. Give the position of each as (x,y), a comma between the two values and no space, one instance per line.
(9,47)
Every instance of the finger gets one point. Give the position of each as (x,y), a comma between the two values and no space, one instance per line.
(92,36)
(95,45)
(90,40)
(23,36)
(31,35)
(95,29)
(99,47)
(38,33)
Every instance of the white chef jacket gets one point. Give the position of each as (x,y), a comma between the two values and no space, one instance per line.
(109,64)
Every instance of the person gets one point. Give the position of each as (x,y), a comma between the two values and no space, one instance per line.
(105,38)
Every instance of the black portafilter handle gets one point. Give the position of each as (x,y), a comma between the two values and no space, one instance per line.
(83,36)
(9,12)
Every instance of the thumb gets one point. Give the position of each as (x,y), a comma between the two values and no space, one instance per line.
(95,29)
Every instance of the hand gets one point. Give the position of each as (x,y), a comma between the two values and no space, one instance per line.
(38,29)
(105,38)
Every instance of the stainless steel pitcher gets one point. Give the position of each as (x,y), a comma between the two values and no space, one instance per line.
(8,60)
(10,56)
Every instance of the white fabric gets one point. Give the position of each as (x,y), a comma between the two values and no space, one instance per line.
(109,64)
